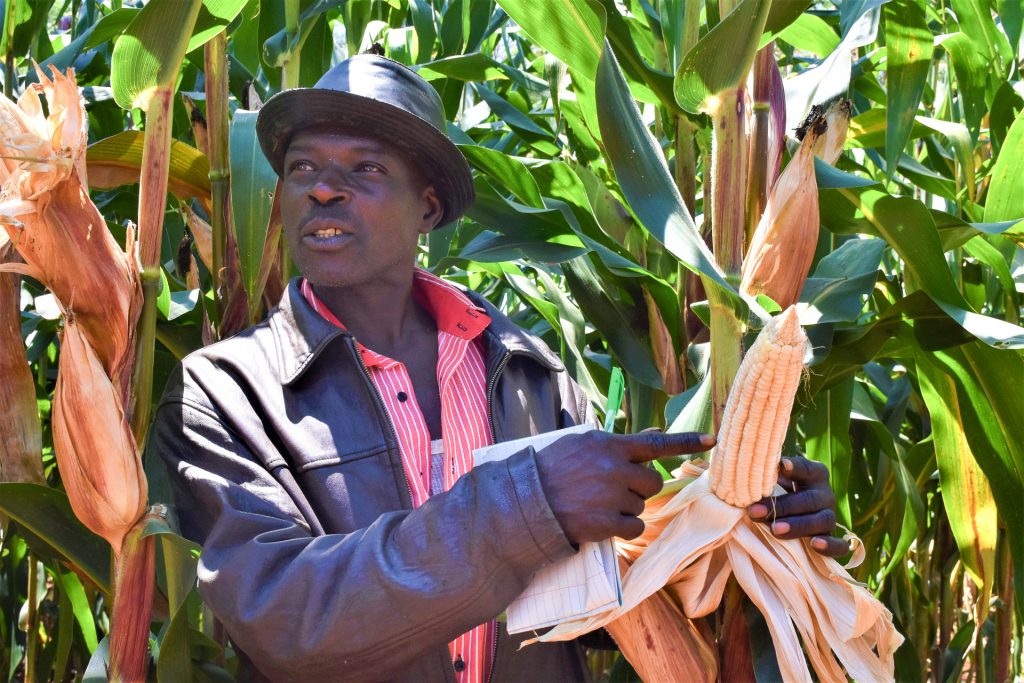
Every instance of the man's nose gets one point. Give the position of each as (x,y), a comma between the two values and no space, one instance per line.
(330,187)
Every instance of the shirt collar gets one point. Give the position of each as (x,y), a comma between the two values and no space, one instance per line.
(453,312)
(302,335)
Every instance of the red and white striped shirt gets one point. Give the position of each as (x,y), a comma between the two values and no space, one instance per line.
(461,378)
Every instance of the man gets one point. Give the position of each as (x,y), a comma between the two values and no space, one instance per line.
(323,457)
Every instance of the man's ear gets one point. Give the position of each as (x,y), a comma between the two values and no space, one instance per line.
(434,209)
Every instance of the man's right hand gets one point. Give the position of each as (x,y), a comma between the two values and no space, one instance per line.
(596,483)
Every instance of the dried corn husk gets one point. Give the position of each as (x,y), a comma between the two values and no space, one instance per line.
(46,210)
(783,244)
(20,435)
(694,542)
(96,452)
(829,146)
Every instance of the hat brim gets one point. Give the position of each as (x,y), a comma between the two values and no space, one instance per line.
(290,111)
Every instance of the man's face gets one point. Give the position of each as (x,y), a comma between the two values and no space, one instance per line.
(353,208)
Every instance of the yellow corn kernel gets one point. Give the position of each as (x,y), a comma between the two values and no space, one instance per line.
(744,464)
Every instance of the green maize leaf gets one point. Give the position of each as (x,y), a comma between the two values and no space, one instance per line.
(721,60)
(868,129)
(829,177)
(907,225)
(65,630)
(1011,15)
(147,55)
(1006,104)
(617,322)
(971,69)
(72,590)
(841,282)
(512,218)
(572,30)
(825,424)
(489,247)
(781,14)
(852,11)
(426,34)
(810,33)
(174,661)
(214,16)
(968,499)
(1005,199)
(253,183)
(647,184)
(565,318)
(508,171)
(96,670)
(908,44)
(960,139)
(110,26)
(29,18)
(46,513)
(990,256)
(506,111)
(117,161)
(985,378)
(471,67)
(695,415)
(976,22)
(646,84)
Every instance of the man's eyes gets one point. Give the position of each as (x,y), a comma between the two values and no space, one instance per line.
(301,165)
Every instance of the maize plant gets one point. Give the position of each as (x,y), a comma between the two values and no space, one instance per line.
(655,180)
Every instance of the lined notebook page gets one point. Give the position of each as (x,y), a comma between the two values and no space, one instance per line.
(577,586)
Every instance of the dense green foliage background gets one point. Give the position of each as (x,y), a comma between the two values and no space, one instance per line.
(589,229)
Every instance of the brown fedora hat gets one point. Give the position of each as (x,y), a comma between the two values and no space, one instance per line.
(380,98)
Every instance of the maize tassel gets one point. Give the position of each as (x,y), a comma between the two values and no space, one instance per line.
(695,541)
(745,463)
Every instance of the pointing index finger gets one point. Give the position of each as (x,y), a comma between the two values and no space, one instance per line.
(654,444)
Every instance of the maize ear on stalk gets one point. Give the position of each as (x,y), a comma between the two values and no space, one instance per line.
(779,255)
(695,541)
(93,442)
(46,211)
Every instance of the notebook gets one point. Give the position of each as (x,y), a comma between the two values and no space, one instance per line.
(586,583)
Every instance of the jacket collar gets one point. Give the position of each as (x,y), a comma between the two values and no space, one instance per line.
(302,334)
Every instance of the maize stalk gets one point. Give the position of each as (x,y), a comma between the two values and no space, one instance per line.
(20,434)
(694,542)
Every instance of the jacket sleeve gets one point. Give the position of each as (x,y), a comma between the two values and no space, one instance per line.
(348,606)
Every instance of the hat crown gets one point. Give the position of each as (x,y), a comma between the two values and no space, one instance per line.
(385,80)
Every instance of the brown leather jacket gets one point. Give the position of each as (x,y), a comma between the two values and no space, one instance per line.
(284,467)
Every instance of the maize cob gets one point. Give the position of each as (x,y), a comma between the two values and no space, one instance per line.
(695,541)
(745,463)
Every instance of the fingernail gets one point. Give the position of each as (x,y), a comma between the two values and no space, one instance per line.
(787,465)
(780,528)
(757,510)
(707,440)
(819,543)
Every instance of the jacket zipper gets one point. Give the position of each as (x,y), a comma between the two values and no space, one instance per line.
(492,382)
(384,410)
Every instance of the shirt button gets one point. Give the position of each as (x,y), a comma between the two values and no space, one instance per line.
(402,397)
(459,665)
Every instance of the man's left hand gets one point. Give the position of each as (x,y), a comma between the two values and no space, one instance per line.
(808,511)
